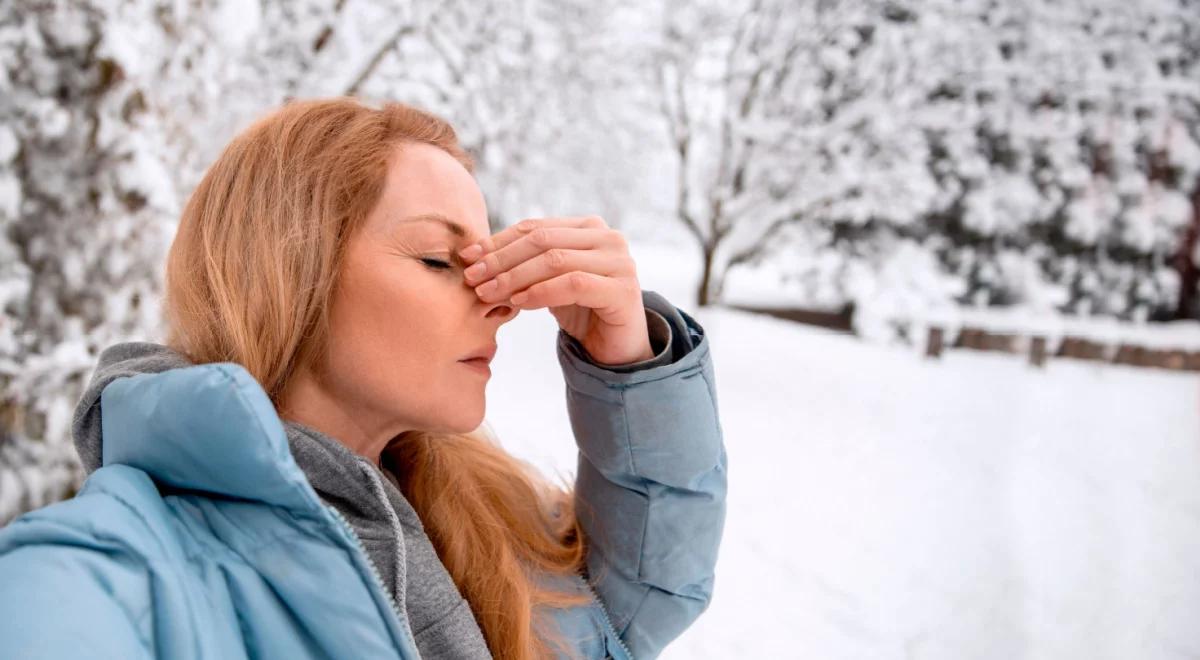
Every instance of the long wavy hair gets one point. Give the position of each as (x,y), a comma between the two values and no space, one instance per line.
(249,278)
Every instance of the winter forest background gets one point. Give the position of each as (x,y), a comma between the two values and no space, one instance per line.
(1033,166)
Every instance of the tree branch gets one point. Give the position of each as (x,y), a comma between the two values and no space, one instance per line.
(373,63)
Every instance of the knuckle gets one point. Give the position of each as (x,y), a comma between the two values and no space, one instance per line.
(540,237)
(618,239)
(527,225)
(556,258)
(578,281)
(594,221)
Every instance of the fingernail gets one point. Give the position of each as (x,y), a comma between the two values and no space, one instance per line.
(471,252)
(486,288)
(476,270)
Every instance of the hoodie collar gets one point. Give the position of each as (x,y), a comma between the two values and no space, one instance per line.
(340,476)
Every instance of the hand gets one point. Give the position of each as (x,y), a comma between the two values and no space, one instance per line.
(580,269)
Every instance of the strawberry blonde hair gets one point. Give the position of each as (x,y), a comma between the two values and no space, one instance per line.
(249,279)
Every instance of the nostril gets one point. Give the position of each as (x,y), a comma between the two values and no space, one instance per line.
(502,310)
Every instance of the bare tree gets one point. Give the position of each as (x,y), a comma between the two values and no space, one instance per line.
(761,118)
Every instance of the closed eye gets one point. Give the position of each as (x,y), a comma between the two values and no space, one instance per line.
(436,264)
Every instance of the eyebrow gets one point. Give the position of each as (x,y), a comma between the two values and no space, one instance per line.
(449,224)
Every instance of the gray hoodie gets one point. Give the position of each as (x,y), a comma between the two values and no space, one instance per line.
(369,498)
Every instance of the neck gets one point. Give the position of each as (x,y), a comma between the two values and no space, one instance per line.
(304,400)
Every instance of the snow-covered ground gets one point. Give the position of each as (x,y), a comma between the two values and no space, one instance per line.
(885,506)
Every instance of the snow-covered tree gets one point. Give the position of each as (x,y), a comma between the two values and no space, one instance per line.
(1046,152)
(84,186)
(782,113)
(111,110)
(1042,155)
(107,115)
(527,86)
(1057,141)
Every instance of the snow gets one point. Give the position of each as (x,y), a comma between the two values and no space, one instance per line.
(235,22)
(914,131)
(129,36)
(10,195)
(149,176)
(909,289)
(8,145)
(897,300)
(886,506)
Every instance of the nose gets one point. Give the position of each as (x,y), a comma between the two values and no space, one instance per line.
(500,311)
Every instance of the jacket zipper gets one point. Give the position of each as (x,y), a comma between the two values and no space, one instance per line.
(399,617)
(608,621)
(375,576)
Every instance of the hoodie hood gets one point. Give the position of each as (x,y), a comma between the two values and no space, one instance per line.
(119,361)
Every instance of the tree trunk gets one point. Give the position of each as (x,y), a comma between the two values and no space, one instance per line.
(1189,273)
(702,295)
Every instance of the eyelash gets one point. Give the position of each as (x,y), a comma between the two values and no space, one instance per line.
(436,264)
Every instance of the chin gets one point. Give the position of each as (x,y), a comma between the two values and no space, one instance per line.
(463,423)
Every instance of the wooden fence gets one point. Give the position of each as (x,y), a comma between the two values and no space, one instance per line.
(1034,347)
(1080,348)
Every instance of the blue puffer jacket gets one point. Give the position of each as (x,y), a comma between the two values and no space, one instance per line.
(199,537)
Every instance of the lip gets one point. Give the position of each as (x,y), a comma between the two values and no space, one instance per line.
(480,359)
(478,365)
(484,353)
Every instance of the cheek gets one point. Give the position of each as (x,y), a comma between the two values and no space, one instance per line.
(386,329)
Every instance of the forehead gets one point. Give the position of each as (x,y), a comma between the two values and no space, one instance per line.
(427,190)
(440,223)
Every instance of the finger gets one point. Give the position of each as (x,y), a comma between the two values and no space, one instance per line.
(510,234)
(550,264)
(538,242)
(605,295)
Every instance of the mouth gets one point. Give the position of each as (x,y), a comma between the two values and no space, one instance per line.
(479,365)
(483,354)
(480,359)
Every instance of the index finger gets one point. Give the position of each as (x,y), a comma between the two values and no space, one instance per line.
(515,232)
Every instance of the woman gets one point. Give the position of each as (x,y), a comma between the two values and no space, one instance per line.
(301,470)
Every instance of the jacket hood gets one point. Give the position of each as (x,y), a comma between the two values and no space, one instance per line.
(210,428)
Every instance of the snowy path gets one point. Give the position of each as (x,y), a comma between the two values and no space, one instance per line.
(885,506)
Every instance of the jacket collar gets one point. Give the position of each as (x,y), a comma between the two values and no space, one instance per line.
(209,427)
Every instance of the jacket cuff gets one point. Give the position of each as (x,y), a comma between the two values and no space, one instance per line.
(660,343)
(669,338)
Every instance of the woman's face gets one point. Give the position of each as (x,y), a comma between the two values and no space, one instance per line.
(403,317)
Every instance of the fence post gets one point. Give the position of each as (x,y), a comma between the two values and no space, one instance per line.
(934,348)
(1037,352)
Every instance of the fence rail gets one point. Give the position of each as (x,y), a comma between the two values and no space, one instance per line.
(1037,347)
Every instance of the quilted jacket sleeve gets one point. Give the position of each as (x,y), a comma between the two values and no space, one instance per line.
(651,482)
(65,593)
